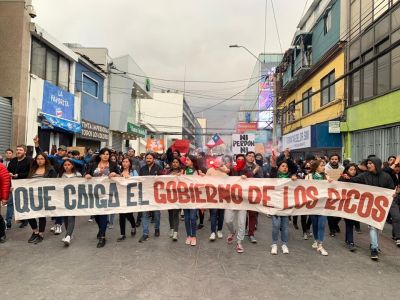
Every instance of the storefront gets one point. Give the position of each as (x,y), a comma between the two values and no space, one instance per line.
(92,135)
(319,139)
(57,123)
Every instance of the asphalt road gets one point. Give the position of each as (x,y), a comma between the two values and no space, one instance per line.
(163,269)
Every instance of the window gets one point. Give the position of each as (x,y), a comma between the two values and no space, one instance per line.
(367,40)
(307,102)
(49,65)
(63,78)
(368,76)
(383,69)
(382,29)
(355,83)
(90,86)
(291,111)
(328,22)
(396,18)
(380,7)
(395,81)
(328,94)
(355,11)
(366,13)
(38,61)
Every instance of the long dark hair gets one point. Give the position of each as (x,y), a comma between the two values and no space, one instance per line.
(35,166)
(315,164)
(102,151)
(346,169)
(62,170)
(180,166)
(130,164)
(194,161)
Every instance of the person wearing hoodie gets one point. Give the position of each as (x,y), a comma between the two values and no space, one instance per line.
(374,177)
(280,223)
(394,171)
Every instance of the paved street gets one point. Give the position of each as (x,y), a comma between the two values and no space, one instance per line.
(162,269)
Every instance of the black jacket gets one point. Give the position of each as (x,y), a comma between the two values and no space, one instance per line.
(291,165)
(396,179)
(379,179)
(50,173)
(155,170)
(20,167)
(92,167)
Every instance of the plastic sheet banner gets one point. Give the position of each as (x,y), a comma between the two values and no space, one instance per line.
(98,196)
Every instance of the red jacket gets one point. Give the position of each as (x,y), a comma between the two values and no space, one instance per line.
(5,183)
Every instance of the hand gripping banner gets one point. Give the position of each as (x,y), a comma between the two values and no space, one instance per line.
(99,196)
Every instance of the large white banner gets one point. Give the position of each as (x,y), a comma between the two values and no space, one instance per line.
(79,197)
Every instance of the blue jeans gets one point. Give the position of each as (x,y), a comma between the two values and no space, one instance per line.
(280,224)
(318,224)
(145,221)
(10,209)
(102,223)
(190,222)
(349,231)
(373,236)
(217,218)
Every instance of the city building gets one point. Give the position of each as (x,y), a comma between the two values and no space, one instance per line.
(372,123)
(310,100)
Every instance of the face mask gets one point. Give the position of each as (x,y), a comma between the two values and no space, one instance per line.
(240,164)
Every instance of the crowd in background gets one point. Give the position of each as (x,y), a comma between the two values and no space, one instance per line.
(107,162)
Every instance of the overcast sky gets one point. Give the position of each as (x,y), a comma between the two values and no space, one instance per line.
(164,36)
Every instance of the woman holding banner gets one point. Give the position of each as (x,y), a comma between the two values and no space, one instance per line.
(102,167)
(68,170)
(280,223)
(127,172)
(41,168)
(318,222)
(173,214)
(192,168)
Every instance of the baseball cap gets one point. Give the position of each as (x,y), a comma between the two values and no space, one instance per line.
(62,147)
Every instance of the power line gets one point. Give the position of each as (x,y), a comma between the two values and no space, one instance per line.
(182,81)
(276,26)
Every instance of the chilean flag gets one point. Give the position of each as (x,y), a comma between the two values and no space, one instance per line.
(215,141)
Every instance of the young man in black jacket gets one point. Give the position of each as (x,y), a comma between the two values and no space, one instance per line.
(150,169)
(18,168)
(374,177)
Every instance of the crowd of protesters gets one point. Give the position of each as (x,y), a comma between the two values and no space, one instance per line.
(239,224)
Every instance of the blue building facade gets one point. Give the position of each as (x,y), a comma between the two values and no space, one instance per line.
(95,113)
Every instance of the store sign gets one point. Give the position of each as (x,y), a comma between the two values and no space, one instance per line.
(243,143)
(136,130)
(57,102)
(334,127)
(298,139)
(93,131)
(243,127)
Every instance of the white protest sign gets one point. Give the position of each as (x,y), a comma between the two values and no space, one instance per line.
(243,143)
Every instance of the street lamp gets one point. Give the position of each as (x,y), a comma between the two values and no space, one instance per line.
(251,53)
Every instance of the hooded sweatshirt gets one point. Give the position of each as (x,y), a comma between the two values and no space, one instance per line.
(379,179)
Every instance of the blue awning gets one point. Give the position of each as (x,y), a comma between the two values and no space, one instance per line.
(52,122)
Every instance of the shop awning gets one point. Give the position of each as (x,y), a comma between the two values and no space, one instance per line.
(52,122)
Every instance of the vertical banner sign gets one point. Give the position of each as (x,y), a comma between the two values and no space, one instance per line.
(57,102)
(243,143)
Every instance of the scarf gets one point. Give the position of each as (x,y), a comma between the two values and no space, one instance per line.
(318,176)
(240,164)
(283,175)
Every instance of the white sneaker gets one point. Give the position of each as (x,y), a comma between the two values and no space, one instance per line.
(321,250)
(305,236)
(90,220)
(171,233)
(274,249)
(67,240)
(57,230)
(315,245)
(219,234)
(285,249)
(53,228)
(175,236)
(212,236)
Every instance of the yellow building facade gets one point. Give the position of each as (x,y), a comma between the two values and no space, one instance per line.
(295,119)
